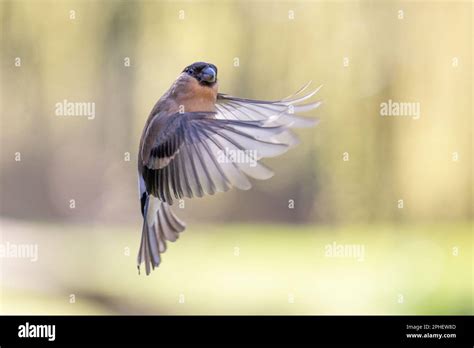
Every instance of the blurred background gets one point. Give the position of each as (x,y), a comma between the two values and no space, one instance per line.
(397,187)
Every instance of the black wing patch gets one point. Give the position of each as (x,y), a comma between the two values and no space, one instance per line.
(210,155)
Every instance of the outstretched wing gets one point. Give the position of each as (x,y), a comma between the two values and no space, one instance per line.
(199,153)
(280,112)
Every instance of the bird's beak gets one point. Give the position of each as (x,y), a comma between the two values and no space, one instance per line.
(208,74)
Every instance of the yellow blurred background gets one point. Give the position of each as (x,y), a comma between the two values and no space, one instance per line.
(398,186)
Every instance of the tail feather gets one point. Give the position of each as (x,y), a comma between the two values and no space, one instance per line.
(159,225)
(177,224)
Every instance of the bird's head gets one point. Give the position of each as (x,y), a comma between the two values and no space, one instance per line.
(204,73)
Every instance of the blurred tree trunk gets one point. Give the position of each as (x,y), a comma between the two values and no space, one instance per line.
(25,183)
(118,66)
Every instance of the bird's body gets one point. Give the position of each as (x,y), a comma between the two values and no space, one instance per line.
(184,95)
(186,146)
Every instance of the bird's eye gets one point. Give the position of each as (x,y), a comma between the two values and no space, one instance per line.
(190,71)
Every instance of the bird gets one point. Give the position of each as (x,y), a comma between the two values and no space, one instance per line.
(198,141)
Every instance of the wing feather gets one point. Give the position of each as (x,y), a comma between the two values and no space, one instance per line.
(202,153)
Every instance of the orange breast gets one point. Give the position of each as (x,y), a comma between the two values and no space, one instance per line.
(192,96)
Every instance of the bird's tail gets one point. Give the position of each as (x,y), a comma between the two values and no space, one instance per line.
(159,225)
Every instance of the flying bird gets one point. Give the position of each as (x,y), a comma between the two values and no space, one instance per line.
(197,141)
